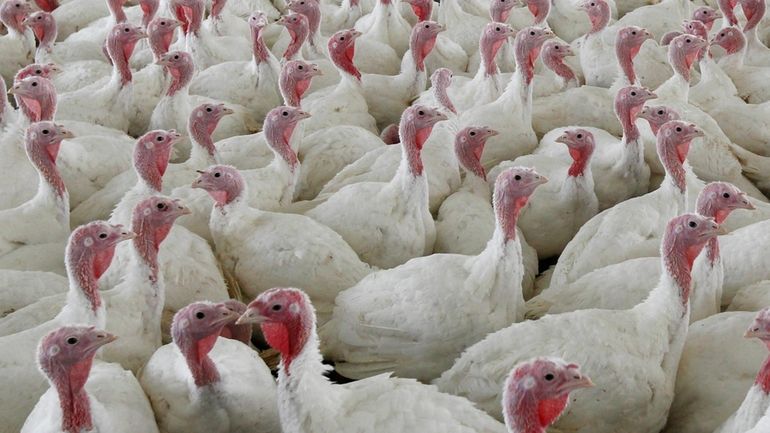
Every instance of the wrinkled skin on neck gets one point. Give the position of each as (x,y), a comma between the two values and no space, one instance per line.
(731,39)
(627,46)
(539,9)
(120,46)
(295,79)
(225,188)
(299,29)
(149,9)
(421,8)
(116,10)
(310,9)
(469,145)
(42,142)
(13,13)
(628,103)
(553,57)
(44,27)
(727,8)
(683,52)
(257,22)
(179,65)
(151,157)
(279,127)
(342,49)
(682,243)
(512,190)
(203,121)
(152,221)
(500,10)
(195,330)
(415,127)
(422,40)
(161,33)
(492,38)
(754,10)
(440,81)
(189,13)
(526,49)
(706,15)
(599,13)
(36,97)
(672,148)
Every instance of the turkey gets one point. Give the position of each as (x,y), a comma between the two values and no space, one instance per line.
(373,329)
(747,79)
(653,333)
(89,254)
(757,400)
(17,45)
(85,396)
(288,321)
(306,253)
(537,392)
(380,236)
(559,75)
(204,383)
(608,236)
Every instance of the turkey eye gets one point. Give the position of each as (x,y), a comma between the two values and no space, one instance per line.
(217,174)
(517,177)
(687,40)
(342,38)
(692,224)
(161,206)
(160,138)
(176,57)
(200,315)
(726,195)
(427,26)
(660,112)
(285,113)
(421,113)
(34,84)
(38,71)
(127,30)
(102,235)
(208,110)
(472,133)
(633,33)
(45,132)
(549,377)
(556,47)
(300,67)
(163,23)
(497,29)
(678,129)
(72,340)
(532,33)
(579,136)
(277,307)
(633,93)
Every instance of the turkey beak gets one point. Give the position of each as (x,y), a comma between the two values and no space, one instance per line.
(697,132)
(65,133)
(489,133)
(746,203)
(250,317)
(228,315)
(756,332)
(563,139)
(101,338)
(582,382)
(355,33)
(181,210)
(54,68)
(317,71)
(540,180)
(126,236)
(227,110)
(14,89)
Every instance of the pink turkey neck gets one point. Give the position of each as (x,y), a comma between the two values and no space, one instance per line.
(278,136)
(508,204)
(627,114)
(754,11)
(727,8)
(678,261)
(149,9)
(527,414)
(539,9)
(420,49)
(289,338)
(46,33)
(160,40)
(470,158)
(147,241)
(201,129)
(625,54)
(526,55)
(579,161)
(599,20)
(86,267)
(196,354)
(151,166)
(47,5)
(556,64)
(292,89)
(412,140)
(258,45)
(190,14)
(673,156)
(13,17)
(312,11)
(499,11)
(120,53)
(343,58)
(216,8)
(299,34)
(763,377)
(422,9)
(45,162)
(41,106)
(708,208)
(116,10)
(681,61)
(488,49)
(69,382)
(181,75)
(442,97)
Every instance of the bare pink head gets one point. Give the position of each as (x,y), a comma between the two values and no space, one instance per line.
(89,253)
(232,331)
(189,13)
(513,187)
(224,183)
(731,39)
(342,49)
(695,28)
(500,10)
(180,66)
(683,51)
(42,142)
(151,154)
(754,10)
(683,241)
(299,29)
(440,81)
(658,115)
(161,33)
(64,356)
(415,127)
(149,9)
(43,25)
(421,8)
(217,6)
(287,319)
(599,14)
(727,8)
(668,37)
(526,46)
(760,329)
(279,126)
(422,41)
(539,10)
(203,121)
(580,144)
(311,9)
(673,144)
(706,15)
(257,23)
(295,79)
(493,37)
(195,330)
(536,393)
(628,103)
(13,13)
(36,97)
(47,5)
(627,45)
(469,145)
(120,46)
(718,199)
(116,10)
(47,70)
(152,220)
(553,56)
